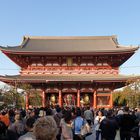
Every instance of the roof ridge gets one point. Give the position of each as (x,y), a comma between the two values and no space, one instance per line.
(69,37)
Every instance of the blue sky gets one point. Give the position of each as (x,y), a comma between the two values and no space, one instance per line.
(70,18)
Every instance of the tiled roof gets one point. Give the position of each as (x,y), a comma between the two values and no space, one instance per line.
(67,78)
(69,45)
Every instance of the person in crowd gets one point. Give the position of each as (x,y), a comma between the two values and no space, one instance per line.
(66,126)
(73,113)
(135,129)
(53,109)
(109,127)
(119,115)
(57,117)
(88,115)
(126,123)
(5,118)
(98,119)
(42,113)
(45,128)
(11,114)
(120,112)
(23,113)
(137,113)
(4,122)
(49,111)
(29,127)
(78,123)
(18,127)
(33,114)
(3,129)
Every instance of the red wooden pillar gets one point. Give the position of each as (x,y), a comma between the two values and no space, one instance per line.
(60,98)
(78,98)
(95,99)
(27,100)
(43,99)
(111,100)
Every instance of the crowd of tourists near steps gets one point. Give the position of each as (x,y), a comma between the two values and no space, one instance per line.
(55,123)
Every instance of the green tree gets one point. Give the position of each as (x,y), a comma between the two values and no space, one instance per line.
(130,95)
(35,99)
(134,96)
(34,96)
(119,99)
(12,97)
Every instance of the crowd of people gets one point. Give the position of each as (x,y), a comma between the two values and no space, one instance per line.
(55,123)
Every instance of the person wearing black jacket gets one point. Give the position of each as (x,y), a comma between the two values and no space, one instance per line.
(127,122)
(109,127)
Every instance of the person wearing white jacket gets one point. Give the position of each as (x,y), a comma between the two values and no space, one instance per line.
(97,122)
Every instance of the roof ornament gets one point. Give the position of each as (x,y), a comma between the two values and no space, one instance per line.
(24,42)
(114,38)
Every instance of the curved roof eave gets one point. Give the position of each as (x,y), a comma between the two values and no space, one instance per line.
(66,78)
(12,48)
(14,51)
